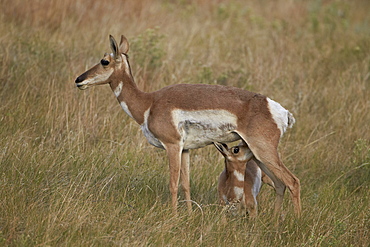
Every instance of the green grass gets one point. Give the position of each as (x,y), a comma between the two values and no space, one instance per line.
(76,170)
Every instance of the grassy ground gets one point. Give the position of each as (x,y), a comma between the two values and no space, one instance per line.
(76,171)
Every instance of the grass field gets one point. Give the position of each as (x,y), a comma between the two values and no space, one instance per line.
(77,171)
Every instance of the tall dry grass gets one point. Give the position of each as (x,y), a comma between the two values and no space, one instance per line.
(76,171)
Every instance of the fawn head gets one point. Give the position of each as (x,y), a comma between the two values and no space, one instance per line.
(236,157)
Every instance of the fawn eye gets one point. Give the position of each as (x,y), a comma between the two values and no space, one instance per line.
(104,62)
(236,150)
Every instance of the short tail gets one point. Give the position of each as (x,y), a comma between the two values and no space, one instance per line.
(291,120)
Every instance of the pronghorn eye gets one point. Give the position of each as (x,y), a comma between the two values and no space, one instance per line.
(236,150)
(104,62)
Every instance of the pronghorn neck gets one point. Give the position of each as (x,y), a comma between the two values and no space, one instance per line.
(231,170)
(133,101)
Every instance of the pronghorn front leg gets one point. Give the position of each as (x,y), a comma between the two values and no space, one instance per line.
(174,157)
(185,178)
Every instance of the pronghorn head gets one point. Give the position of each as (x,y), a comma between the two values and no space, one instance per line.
(103,72)
(235,157)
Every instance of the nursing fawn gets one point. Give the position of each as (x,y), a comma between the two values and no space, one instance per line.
(241,180)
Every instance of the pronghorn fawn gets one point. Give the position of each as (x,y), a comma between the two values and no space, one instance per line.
(241,180)
(181,117)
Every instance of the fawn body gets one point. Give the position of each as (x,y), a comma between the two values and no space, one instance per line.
(241,180)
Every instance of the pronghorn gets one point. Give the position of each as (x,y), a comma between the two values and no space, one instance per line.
(181,117)
(241,180)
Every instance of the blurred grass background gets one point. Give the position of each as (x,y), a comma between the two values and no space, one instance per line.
(76,171)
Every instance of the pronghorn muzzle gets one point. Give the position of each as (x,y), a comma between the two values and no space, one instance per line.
(79,81)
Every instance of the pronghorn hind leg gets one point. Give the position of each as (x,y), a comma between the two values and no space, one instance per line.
(185,178)
(265,152)
(279,186)
(271,164)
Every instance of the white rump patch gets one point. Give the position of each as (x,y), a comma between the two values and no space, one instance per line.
(279,114)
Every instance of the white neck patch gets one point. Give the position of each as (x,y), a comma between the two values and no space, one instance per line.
(125,108)
(117,91)
(239,176)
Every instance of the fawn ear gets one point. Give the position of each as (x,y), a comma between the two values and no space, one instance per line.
(222,148)
(243,143)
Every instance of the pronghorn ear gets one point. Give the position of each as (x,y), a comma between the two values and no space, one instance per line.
(114,47)
(222,148)
(243,143)
(123,45)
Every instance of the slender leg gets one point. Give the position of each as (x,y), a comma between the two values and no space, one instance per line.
(250,202)
(251,188)
(279,186)
(185,178)
(174,153)
(282,178)
(265,152)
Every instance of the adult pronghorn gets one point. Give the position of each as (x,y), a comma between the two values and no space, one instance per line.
(188,116)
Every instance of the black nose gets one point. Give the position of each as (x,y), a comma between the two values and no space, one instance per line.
(81,78)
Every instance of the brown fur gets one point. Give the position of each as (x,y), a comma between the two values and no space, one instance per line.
(228,183)
(254,125)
